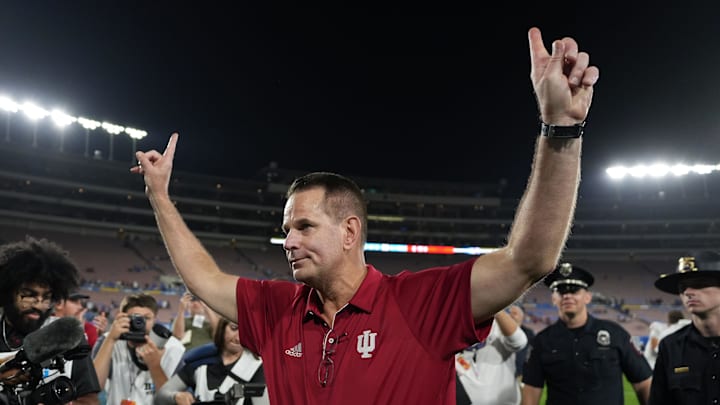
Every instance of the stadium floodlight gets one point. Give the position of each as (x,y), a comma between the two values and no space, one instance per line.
(62,120)
(35,113)
(113,130)
(659,170)
(135,135)
(9,106)
(89,125)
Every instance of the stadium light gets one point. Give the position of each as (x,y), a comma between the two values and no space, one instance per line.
(89,125)
(62,120)
(113,130)
(135,135)
(659,170)
(9,106)
(34,113)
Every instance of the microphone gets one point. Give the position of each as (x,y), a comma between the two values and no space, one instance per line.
(49,341)
(56,338)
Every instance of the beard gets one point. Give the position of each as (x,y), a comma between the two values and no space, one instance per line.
(22,324)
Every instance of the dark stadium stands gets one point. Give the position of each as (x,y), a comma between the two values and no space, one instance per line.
(626,235)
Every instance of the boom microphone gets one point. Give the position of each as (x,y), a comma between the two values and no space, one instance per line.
(56,338)
(49,341)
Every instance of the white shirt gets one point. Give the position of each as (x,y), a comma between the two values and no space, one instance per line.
(128,381)
(672,329)
(488,373)
(655,329)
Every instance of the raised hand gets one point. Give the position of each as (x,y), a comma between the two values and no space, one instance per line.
(563,81)
(156,168)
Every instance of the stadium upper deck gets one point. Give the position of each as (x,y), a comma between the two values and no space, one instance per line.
(64,191)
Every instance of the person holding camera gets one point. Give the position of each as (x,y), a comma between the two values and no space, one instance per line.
(222,372)
(136,356)
(197,328)
(36,273)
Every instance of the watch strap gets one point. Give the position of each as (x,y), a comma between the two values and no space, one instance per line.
(558,131)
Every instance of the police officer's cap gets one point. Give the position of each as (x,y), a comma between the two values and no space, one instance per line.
(568,278)
(703,265)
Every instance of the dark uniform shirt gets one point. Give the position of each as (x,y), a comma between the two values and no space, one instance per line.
(687,370)
(584,365)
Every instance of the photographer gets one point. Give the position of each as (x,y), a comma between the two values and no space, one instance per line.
(213,370)
(36,273)
(132,360)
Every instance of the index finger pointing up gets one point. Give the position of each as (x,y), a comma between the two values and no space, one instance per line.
(538,53)
(170,148)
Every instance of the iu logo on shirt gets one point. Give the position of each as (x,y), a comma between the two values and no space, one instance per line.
(366,344)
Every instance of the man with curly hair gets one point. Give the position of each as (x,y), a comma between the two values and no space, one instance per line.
(35,273)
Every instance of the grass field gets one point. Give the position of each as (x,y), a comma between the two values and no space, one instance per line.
(630,397)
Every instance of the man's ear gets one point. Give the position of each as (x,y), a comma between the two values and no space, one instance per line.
(353,231)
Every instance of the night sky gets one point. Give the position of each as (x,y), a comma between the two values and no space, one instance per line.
(440,94)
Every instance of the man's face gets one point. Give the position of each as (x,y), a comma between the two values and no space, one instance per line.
(314,242)
(571,300)
(31,307)
(700,295)
(69,307)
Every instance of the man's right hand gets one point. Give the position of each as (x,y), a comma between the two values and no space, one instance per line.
(156,168)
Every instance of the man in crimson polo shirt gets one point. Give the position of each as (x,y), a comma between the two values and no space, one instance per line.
(347,334)
(396,333)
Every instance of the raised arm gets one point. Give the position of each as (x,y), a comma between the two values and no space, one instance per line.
(191,260)
(178,325)
(563,84)
(513,337)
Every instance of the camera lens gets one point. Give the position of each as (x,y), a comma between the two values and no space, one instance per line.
(58,391)
(137,323)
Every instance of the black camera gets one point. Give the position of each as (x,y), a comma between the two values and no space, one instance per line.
(56,392)
(244,390)
(235,393)
(47,348)
(137,329)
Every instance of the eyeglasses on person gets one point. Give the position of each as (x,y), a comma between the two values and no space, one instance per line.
(327,365)
(31,298)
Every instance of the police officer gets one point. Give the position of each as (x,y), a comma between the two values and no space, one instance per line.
(580,358)
(687,370)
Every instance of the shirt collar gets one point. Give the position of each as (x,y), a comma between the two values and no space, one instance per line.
(364,298)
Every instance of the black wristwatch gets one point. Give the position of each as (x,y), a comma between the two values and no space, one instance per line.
(557,131)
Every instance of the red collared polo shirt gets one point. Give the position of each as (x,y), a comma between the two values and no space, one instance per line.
(393,343)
